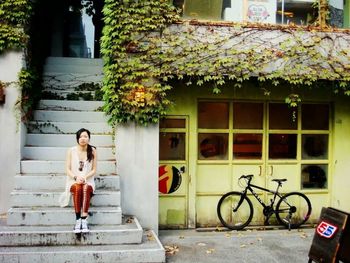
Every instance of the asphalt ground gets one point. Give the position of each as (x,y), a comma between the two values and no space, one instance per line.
(270,246)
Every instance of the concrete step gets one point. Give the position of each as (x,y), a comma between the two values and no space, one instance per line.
(51,182)
(150,250)
(66,93)
(68,80)
(67,127)
(70,116)
(74,61)
(59,153)
(70,105)
(68,68)
(48,216)
(67,140)
(25,198)
(129,232)
(37,166)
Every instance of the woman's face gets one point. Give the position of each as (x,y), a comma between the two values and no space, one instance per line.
(84,139)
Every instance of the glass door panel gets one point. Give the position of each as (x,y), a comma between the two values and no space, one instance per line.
(282,146)
(282,117)
(212,146)
(315,116)
(247,146)
(213,115)
(248,115)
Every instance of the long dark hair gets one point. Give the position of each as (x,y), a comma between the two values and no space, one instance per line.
(90,156)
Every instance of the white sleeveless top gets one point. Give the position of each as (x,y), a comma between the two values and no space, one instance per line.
(65,197)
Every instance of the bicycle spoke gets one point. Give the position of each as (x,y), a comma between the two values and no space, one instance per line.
(233,211)
(293,210)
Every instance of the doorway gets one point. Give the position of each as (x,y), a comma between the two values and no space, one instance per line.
(267,139)
(173,172)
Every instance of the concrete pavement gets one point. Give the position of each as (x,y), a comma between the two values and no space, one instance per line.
(270,246)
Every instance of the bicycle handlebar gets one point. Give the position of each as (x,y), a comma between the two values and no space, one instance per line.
(249,177)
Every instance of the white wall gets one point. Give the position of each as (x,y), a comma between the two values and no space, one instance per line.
(137,164)
(10,138)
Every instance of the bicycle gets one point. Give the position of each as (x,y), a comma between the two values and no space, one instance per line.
(235,210)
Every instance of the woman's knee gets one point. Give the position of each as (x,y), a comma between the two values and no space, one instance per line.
(76,187)
(88,188)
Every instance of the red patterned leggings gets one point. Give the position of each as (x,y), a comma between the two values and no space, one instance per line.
(81,197)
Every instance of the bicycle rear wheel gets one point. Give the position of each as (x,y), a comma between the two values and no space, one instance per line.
(235,210)
(293,210)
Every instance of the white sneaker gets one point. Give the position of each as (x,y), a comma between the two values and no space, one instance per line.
(84,226)
(77,227)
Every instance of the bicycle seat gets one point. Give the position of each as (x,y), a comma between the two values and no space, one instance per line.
(279,180)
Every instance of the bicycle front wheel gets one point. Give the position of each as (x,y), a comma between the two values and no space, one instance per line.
(235,210)
(293,210)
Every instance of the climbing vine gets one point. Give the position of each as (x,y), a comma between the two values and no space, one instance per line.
(146,45)
(14,17)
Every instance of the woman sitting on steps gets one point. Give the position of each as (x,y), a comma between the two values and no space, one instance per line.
(81,163)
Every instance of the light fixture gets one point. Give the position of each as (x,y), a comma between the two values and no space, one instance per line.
(139,93)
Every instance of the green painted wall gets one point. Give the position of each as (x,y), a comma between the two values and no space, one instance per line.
(202,208)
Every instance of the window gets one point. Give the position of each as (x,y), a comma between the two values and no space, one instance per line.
(213,115)
(314,145)
(298,12)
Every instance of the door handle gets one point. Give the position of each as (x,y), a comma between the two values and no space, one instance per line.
(260,170)
(271,170)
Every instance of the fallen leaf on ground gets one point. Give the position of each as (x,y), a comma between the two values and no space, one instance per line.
(303,235)
(181,237)
(259,239)
(201,244)
(209,251)
(242,246)
(171,250)
(227,235)
(150,236)
(129,220)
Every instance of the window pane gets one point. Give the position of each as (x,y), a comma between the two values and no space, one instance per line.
(248,115)
(212,146)
(336,12)
(315,146)
(282,117)
(282,146)
(295,12)
(172,146)
(213,115)
(203,9)
(314,176)
(247,146)
(172,123)
(315,116)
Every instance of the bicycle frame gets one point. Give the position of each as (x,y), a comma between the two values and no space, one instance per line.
(251,190)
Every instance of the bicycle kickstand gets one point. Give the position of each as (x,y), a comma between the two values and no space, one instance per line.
(267,217)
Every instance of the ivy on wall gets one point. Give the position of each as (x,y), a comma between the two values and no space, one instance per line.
(131,88)
(14,17)
(19,29)
(145,46)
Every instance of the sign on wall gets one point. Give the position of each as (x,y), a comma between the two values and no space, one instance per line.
(169,179)
(263,11)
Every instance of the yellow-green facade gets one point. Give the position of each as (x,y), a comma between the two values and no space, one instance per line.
(315,159)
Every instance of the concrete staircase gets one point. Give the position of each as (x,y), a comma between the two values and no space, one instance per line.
(37,229)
